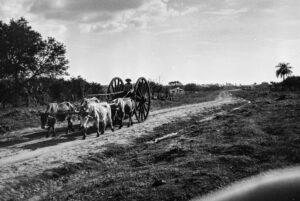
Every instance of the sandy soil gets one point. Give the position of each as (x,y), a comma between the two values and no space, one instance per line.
(27,152)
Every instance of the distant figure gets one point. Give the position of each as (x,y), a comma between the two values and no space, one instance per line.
(128,88)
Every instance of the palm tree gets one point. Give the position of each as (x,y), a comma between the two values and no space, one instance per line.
(284,70)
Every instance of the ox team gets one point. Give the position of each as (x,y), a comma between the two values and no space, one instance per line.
(91,112)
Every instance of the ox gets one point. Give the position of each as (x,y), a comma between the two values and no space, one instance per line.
(86,101)
(57,112)
(122,107)
(99,113)
(93,99)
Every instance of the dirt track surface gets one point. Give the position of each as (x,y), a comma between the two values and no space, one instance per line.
(33,153)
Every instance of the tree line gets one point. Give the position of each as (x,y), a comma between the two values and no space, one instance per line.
(41,91)
(32,68)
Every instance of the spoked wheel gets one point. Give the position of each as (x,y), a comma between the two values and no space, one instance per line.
(115,85)
(142,98)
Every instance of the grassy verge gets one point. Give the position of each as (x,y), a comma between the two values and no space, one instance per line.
(18,118)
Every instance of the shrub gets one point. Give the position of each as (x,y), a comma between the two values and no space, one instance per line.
(291,83)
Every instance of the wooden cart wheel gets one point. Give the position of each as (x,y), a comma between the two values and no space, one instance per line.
(115,85)
(142,98)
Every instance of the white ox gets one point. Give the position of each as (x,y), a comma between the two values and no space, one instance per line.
(97,113)
(93,99)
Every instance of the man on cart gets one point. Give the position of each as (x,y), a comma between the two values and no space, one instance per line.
(128,88)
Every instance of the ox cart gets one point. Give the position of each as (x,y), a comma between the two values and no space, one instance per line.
(116,89)
(140,94)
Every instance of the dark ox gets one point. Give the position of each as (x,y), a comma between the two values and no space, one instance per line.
(58,112)
(122,107)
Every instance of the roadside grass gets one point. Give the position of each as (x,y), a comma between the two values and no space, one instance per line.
(18,118)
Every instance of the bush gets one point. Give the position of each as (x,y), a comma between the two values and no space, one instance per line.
(291,83)
(191,87)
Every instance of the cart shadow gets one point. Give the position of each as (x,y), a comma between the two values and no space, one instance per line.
(53,141)
(58,140)
(60,133)
(37,135)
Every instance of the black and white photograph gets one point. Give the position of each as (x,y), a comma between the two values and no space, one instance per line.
(150,100)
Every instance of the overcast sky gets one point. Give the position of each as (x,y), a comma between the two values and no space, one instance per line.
(201,41)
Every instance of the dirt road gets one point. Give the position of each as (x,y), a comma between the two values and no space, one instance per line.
(33,153)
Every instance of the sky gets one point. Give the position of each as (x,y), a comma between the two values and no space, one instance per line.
(192,41)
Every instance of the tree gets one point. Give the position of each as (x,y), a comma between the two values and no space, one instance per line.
(5,91)
(191,87)
(78,86)
(152,86)
(25,56)
(155,88)
(50,61)
(284,69)
(94,88)
(175,83)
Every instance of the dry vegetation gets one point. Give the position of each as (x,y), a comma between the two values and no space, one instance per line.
(203,156)
(18,118)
